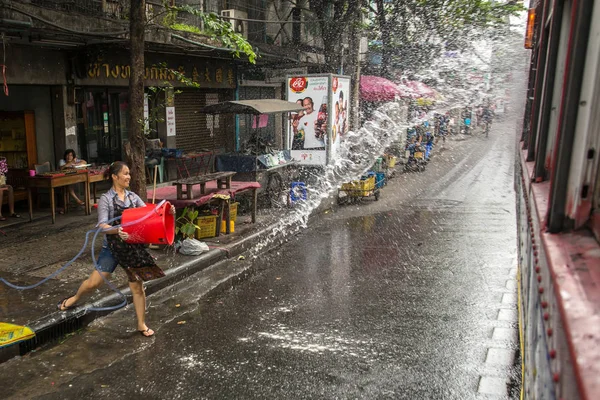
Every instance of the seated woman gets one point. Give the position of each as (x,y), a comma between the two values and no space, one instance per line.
(11,202)
(70,160)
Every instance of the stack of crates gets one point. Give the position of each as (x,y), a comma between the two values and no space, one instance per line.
(362,187)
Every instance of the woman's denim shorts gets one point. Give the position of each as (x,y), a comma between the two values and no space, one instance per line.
(106,261)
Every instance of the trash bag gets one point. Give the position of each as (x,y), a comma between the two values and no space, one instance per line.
(192,247)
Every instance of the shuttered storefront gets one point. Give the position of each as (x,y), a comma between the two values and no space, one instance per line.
(194,129)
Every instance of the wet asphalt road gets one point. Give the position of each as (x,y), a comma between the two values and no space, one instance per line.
(411,297)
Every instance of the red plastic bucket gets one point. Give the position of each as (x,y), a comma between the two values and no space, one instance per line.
(157,228)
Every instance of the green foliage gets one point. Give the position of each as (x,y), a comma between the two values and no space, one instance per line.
(186,224)
(186,28)
(413,31)
(217,29)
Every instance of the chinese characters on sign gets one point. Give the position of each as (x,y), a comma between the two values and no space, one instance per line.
(210,76)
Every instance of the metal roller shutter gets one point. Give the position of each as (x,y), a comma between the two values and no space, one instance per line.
(193,128)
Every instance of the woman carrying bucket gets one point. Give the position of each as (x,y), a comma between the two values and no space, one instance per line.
(137,262)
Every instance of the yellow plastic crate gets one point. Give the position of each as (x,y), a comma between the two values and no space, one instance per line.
(392,162)
(367,184)
(207,227)
(233,208)
(359,188)
(351,186)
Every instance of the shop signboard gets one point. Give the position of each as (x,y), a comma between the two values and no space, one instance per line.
(170,111)
(313,135)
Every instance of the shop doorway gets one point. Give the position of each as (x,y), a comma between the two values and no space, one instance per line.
(103,116)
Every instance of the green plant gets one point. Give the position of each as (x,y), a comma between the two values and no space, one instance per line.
(186,28)
(185,226)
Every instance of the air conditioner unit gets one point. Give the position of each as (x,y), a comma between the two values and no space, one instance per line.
(235,17)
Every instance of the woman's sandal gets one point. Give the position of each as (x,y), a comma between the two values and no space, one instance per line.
(15,215)
(61,305)
(2,218)
(146,333)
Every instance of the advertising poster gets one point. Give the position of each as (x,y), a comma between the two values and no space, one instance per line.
(307,130)
(340,92)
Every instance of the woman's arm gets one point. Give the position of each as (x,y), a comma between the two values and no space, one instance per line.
(103,216)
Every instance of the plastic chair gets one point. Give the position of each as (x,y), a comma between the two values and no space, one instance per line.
(161,169)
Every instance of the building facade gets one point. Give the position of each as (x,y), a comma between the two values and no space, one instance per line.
(67,67)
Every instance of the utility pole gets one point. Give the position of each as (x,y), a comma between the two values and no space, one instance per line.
(354,68)
(136,150)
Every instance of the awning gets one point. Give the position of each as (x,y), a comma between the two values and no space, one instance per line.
(255,107)
(375,88)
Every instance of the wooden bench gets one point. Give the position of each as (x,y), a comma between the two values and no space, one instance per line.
(223,180)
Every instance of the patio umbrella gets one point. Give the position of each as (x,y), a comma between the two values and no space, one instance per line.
(407,92)
(375,88)
(421,89)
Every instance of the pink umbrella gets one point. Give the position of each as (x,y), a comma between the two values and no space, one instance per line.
(407,92)
(421,89)
(375,88)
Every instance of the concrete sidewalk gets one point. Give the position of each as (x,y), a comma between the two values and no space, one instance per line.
(32,251)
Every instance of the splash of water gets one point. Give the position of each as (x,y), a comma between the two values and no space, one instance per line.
(356,155)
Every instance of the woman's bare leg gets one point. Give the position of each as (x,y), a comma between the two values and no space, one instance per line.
(94,281)
(139,303)
(73,195)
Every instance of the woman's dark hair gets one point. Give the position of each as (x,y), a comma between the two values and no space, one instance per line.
(114,169)
(67,152)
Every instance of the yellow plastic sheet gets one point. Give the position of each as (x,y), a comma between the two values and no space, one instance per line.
(10,334)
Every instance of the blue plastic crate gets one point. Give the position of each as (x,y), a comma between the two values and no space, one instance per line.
(379,179)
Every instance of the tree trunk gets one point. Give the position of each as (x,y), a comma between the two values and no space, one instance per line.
(386,55)
(135,157)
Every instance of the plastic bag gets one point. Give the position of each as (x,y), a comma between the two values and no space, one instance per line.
(192,247)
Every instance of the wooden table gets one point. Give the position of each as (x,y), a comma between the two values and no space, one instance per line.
(92,181)
(52,182)
(223,182)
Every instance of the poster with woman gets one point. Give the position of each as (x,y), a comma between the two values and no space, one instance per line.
(340,89)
